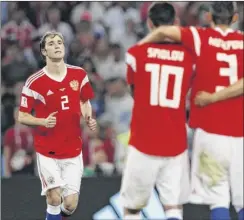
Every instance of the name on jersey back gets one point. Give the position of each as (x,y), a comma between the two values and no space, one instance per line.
(174,55)
(226,45)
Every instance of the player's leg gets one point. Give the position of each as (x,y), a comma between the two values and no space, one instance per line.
(173,185)
(236,176)
(49,173)
(71,173)
(210,173)
(138,182)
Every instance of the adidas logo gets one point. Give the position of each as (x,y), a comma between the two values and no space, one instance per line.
(114,211)
(49,92)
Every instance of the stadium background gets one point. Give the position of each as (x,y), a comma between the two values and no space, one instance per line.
(97,34)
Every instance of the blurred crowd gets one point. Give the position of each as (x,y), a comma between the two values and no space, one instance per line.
(97,34)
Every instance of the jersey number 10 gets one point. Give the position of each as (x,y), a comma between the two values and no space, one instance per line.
(159,84)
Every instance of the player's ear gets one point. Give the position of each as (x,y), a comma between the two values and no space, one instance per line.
(44,52)
(150,25)
(209,18)
(235,18)
(177,21)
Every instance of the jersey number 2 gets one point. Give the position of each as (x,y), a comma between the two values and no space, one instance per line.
(64,102)
(159,84)
(230,71)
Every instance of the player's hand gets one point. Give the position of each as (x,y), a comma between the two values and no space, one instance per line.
(91,123)
(203,99)
(51,121)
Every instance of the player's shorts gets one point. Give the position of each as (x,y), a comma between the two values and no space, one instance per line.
(143,172)
(64,173)
(217,169)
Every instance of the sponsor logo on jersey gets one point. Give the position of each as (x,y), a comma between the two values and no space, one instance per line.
(24,102)
(114,209)
(62,89)
(49,92)
(74,84)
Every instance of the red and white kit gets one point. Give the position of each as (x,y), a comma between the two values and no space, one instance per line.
(161,75)
(58,149)
(218,142)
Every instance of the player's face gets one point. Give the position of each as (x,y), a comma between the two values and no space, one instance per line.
(54,47)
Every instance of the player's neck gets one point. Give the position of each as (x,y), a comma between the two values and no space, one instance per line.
(56,67)
(223,27)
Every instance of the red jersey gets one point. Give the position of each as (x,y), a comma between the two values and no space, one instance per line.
(219,64)
(45,95)
(161,75)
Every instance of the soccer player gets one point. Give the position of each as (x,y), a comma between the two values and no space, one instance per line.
(159,75)
(58,94)
(218,143)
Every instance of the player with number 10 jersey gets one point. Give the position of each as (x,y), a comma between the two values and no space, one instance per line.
(161,74)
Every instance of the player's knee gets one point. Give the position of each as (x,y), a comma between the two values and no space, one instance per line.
(54,196)
(70,202)
(173,211)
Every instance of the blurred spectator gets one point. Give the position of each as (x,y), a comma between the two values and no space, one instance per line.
(14,66)
(118,68)
(55,23)
(18,150)
(19,29)
(96,10)
(4,12)
(118,104)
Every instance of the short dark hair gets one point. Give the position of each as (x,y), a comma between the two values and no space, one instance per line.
(51,34)
(222,12)
(161,13)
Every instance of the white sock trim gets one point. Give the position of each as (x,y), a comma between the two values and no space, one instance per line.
(53,210)
(174,213)
(219,206)
(132,217)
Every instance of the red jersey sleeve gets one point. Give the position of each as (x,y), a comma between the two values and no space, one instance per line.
(131,67)
(190,37)
(86,91)
(27,99)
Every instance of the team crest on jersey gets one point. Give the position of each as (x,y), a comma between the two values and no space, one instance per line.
(50,180)
(74,84)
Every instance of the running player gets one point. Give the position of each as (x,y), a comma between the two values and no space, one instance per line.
(218,143)
(159,75)
(58,94)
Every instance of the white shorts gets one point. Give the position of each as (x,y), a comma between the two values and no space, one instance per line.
(64,173)
(143,172)
(217,169)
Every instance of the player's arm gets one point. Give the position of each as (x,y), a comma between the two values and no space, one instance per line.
(28,99)
(161,33)
(86,109)
(130,72)
(86,93)
(28,119)
(234,90)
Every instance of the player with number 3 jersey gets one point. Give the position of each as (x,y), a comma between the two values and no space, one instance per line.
(218,143)
(59,94)
(160,76)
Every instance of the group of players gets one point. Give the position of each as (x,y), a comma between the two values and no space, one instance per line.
(160,69)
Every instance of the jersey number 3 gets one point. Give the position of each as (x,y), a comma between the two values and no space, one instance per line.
(230,71)
(159,84)
(64,102)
